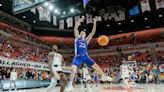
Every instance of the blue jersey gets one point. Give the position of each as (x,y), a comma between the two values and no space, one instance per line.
(80,46)
(81,54)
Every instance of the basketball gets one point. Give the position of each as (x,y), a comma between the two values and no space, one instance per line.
(103,40)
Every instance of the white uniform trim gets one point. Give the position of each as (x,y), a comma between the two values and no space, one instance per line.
(75,46)
(57,62)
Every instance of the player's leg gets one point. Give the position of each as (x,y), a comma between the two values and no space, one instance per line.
(76,62)
(10,85)
(85,82)
(91,63)
(88,83)
(72,75)
(99,71)
(64,81)
(52,84)
(126,83)
(15,85)
(73,72)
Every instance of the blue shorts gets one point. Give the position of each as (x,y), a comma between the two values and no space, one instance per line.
(78,60)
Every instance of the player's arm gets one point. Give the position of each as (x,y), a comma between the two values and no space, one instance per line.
(93,31)
(50,58)
(76,31)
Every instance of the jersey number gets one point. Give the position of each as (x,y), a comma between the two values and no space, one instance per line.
(82,45)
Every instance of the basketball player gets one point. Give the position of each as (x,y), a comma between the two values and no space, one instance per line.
(81,54)
(87,78)
(86,75)
(127,70)
(125,74)
(55,64)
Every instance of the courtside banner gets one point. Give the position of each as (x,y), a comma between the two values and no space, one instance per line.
(5,62)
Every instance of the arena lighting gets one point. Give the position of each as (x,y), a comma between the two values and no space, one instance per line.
(72,10)
(56,10)
(64,12)
(120,31)
(119,23)
(160,16)
(108,25)
(0,5)
(24,17)
(132,20)
(34,21)
(51,7)
(46,4)
(145,18)
(147,26)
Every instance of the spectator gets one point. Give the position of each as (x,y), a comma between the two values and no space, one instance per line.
(4,72)
(13,78)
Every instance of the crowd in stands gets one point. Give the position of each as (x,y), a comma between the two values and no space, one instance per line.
(12,50)
(24,47)
(21,45)
(133,38)
(18,34)
(25,74)
(147,72)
